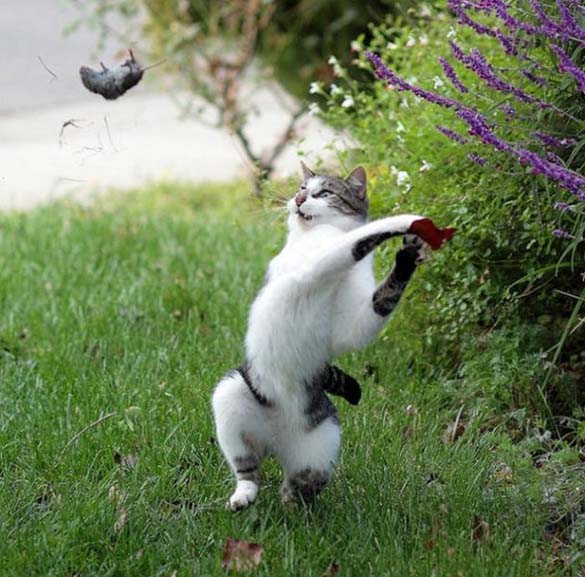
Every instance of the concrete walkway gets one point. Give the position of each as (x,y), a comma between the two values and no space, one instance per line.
(122,144)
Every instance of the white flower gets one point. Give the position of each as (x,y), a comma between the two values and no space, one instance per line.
(335,90)
(314,109)
(438,82)
(347,102)
(393,170)
(355,46)
(423,40)
(410,42)
(392,46)
(315,88)
(403,178)
(400,127)
(337,70)
(425,11)
(425,166)
(452,32)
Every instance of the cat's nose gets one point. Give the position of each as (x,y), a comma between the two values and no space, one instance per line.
(300,198)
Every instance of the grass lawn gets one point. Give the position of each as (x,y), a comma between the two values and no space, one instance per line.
(118,320)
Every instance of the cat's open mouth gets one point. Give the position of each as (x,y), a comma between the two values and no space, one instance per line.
(304,216)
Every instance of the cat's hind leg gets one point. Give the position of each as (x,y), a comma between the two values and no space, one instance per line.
(242,427)
(308,459)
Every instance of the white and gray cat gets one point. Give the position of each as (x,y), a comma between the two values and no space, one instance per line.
(320,299)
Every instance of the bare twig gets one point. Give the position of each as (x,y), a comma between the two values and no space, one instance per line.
(263,167)
(71,122)
(54,76)
(87,428)
(109,135)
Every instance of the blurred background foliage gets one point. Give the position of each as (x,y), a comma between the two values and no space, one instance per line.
(221,51)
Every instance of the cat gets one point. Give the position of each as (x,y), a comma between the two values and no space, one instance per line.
(319,299)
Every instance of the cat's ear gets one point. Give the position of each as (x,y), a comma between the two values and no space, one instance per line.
(307,172)
(358,181)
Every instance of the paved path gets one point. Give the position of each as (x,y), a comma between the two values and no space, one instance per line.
(144,138)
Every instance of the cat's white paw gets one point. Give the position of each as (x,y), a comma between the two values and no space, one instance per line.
(244,495)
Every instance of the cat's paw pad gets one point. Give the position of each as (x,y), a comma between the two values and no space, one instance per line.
(244,495)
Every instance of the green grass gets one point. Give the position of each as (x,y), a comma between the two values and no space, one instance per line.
(136,308)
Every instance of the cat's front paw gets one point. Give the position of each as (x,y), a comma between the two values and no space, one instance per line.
(416,248)
(244,495)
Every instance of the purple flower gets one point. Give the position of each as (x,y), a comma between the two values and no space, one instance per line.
(565,177)
(477,159)
(451,134)
(550,140)
(452,76)
(563,206)
(479,126)
(509,21)
(567,30)
(508,110)
(539,80)
(560,233)
(569,22)
(554,158)
(392,78)
(477,63)
(567,65)
(508,43)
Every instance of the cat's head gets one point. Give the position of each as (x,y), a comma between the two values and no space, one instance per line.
(324,199)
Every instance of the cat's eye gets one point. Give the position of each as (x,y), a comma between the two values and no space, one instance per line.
(323,194)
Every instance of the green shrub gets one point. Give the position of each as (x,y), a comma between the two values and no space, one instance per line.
(505,270)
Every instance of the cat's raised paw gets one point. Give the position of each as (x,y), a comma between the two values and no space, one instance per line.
(417,246)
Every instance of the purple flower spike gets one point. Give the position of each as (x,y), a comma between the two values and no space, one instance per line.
(479,126)
(563,206)
(554,158)
(539,80)
(567,65)
(452,76)
(392,78)
(569,22)
(508,43)
(452,135)
(477,63)
(566,178)
(549,140)
(479,160)
(560,233)
(512,23)
(567,30)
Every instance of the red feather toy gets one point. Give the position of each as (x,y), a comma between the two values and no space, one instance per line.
(426,229)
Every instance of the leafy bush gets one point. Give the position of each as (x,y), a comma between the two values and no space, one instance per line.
(490,139)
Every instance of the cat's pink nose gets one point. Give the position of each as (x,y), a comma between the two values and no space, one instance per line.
(300,198)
